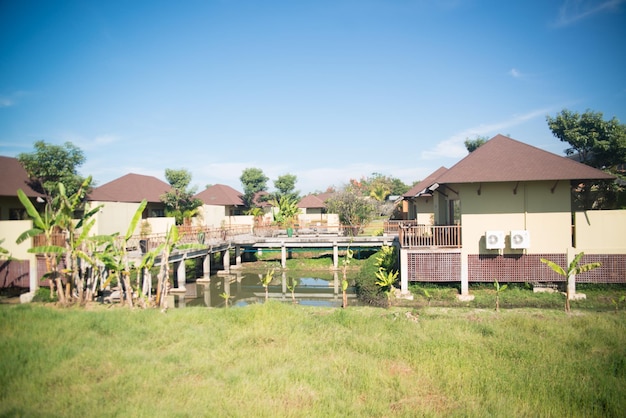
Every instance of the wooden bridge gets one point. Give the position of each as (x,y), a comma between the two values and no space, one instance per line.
(244,238)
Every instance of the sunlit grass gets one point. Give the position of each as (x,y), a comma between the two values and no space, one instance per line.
(283,360)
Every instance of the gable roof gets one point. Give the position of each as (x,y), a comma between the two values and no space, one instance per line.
(131,188)
(313,201)
(13,176)
(421,188)
(504,159)
(220,195)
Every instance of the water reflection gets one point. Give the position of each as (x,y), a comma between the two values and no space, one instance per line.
(241,289)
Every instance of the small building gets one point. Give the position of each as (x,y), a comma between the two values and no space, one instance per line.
(501,209)
(121,199)
(223,206)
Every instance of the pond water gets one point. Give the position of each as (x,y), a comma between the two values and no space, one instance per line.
(304,288)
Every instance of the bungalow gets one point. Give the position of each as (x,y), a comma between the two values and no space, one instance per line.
(222,205)
(418,202)
(13,222)
(501,209)
(314,212)
(121,198)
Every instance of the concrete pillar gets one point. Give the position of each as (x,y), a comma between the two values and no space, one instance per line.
(206,266)
(226,258)
(465,294)
(238,256)
(32,272)
(283,255)
(180,273)
(404,271)
(335,255)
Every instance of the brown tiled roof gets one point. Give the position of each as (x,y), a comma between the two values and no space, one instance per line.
(13,176)
(314,201)
(131,188)
(220,195)
(505,159)
(421,187)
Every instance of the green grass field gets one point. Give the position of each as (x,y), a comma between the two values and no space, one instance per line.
(283,360)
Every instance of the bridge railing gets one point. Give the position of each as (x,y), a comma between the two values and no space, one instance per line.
(189,235)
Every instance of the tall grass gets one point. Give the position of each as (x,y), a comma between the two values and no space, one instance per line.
(279,360)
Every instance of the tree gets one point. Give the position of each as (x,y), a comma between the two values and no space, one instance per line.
(50,165)
(353,209)
(473,144)
(597,143)
(286,186)
(253,181)
(179,201)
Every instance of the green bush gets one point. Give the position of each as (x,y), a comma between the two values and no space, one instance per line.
(365,284)
(43,295)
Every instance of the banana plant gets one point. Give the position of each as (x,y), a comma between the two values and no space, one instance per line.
(77,237)
(499,289)
(115,257)
(45,224)
(266,280)
(570,274)
(291,285)
(226,298)
(4,253)
(385,280)
(344,281)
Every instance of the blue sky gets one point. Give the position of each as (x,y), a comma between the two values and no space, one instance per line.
(325,90)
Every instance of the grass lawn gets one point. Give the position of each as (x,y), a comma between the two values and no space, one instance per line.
(281,360)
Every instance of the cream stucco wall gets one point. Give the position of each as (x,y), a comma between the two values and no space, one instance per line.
(214,216)
(116,217)
(601,229)
(9,231)
(533,206)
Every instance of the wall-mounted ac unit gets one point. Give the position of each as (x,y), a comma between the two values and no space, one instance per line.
(494,240)
(520,239)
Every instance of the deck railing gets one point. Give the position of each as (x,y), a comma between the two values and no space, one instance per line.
(430,236)
(392,227)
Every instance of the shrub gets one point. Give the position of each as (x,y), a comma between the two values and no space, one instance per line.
(365,284)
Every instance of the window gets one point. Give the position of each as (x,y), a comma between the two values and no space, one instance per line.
(17,214)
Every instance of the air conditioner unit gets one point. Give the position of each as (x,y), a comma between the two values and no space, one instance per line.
(494,240)
(520,239)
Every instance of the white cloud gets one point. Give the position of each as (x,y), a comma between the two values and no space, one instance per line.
(515,73)
(573,11)
(105,139)
(6,102)
(11,99)
(454,147)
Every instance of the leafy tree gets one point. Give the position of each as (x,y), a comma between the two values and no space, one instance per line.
(286,186)
(353,209)
(253,181)
(473,144)
(50,165)
(179,201)
(598,143)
